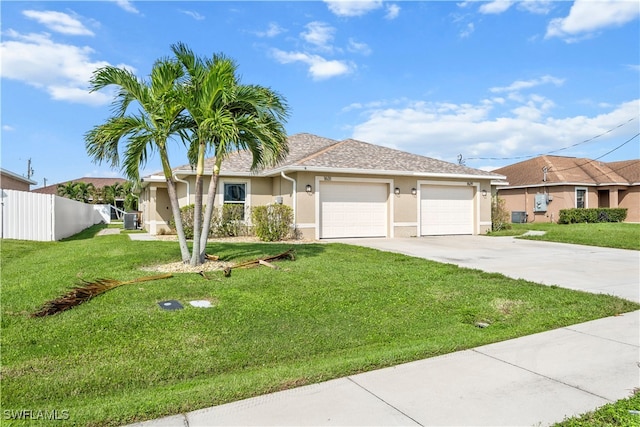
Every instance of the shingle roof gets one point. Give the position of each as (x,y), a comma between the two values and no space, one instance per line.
(562,170)
(312,152)
(97,182)
(628,169)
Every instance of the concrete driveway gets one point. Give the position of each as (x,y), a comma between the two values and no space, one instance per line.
(587,268)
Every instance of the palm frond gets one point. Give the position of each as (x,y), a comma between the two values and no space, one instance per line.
(85,291)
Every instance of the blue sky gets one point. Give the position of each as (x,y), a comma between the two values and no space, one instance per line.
(496,82)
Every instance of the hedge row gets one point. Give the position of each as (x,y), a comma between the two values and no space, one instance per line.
(576,215)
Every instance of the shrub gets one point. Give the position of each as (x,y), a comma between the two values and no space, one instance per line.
(499,215)
(225,222)
(230,222)
(272,222)
(577,215)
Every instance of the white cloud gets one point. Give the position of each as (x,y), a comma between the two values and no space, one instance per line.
(489,128)
(468,30)
(495,7)
(127,6)
(58,22)
(319,67)
(62,70)
(195,15)
(393,11)
(272,30)
(519,85)
(8,128)
(319,34)
(539,7)
(357,47)
(346,8)
(587,17)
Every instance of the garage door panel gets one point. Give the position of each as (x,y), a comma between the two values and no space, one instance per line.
(353,209)
(446,210)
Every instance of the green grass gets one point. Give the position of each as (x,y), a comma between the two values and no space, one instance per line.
(335,310)
(623,413)
(610,234)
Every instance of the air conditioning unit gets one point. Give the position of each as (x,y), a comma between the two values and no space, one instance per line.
(518,217)
(130,221)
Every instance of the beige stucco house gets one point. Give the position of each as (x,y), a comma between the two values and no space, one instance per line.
(539,188)
(340,189)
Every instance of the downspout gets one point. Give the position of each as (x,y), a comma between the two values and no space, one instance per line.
(184,182)
(295,196)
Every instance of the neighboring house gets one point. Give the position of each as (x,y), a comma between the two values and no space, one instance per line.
(13,181)
(97,183)
(343,189)
(539,188)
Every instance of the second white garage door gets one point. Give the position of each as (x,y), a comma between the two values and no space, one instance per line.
(349,209)
(446,209)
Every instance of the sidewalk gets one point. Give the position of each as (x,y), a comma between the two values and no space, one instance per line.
(534,380)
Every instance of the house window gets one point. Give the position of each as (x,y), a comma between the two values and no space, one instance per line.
(235,195)
(581,197)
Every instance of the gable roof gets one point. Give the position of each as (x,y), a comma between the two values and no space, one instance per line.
(570,170)
(314,153)
(97,182)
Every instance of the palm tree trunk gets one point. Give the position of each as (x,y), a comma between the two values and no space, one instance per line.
(197,208)
(175,209)
(208,213)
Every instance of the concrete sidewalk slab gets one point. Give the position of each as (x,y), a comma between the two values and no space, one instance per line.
(337,402)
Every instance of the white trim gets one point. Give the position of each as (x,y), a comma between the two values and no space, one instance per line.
(356,171)
(247,195)
(390,207)
(476,223)
(563,184)
(486,223)
(405,224)
(586,197)
(306,225)
(18,177)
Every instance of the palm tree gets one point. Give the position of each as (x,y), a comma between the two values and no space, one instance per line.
(227,117)
(113,192)
(157,119)
(68,190)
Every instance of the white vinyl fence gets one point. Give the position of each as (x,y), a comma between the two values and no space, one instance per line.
(45,217)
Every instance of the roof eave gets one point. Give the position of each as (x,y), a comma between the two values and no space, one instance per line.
(356,171)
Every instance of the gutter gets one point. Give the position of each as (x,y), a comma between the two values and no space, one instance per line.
(295,196)
(175,176)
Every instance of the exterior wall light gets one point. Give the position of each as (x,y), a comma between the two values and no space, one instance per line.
(308,189)
(396,191)
(484,193)
(414,191)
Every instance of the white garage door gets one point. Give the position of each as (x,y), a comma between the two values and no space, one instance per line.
(349,209)
(445,210)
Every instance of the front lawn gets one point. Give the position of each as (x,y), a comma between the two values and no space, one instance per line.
(606,234)
(335,310)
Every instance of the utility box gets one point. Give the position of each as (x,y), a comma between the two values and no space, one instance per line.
(518,217)
(130,221)
(540,203)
